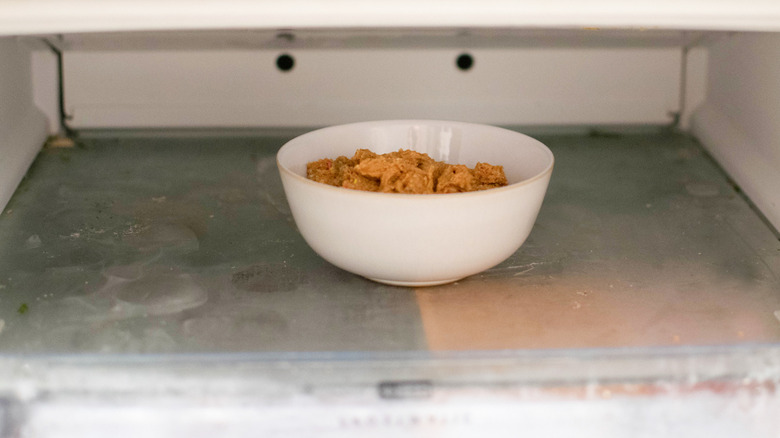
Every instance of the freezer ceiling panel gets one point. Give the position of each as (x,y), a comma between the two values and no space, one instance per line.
(56,16)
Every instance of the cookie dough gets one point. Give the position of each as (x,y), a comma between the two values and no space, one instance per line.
(404,171)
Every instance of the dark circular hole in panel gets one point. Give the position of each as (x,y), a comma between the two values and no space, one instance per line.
(465,61)
(285,62)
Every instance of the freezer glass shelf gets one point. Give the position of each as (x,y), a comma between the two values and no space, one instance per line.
(184,244)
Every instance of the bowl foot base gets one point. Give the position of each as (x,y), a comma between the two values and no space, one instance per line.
(415,283)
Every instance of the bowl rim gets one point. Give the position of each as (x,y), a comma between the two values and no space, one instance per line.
(541,146)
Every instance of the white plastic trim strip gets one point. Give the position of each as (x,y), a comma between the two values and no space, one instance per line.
(57,16)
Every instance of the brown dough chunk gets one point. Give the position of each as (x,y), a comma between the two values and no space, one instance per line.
(403,171)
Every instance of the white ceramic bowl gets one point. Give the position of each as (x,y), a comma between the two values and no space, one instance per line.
(417,240)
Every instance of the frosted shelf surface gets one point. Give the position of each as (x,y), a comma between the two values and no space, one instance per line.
(168,244)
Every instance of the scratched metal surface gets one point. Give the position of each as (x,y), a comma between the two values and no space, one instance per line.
(158,244)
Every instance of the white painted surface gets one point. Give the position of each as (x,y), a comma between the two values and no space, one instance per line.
(22,126)
(600,415)
(45,86)
(243,88)
(738,123)
(58,16)
(695,83)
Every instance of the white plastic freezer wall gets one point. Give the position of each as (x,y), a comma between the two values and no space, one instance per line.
(738,122)
(22,125)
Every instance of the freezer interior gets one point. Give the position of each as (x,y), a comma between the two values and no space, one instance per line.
(150,267)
